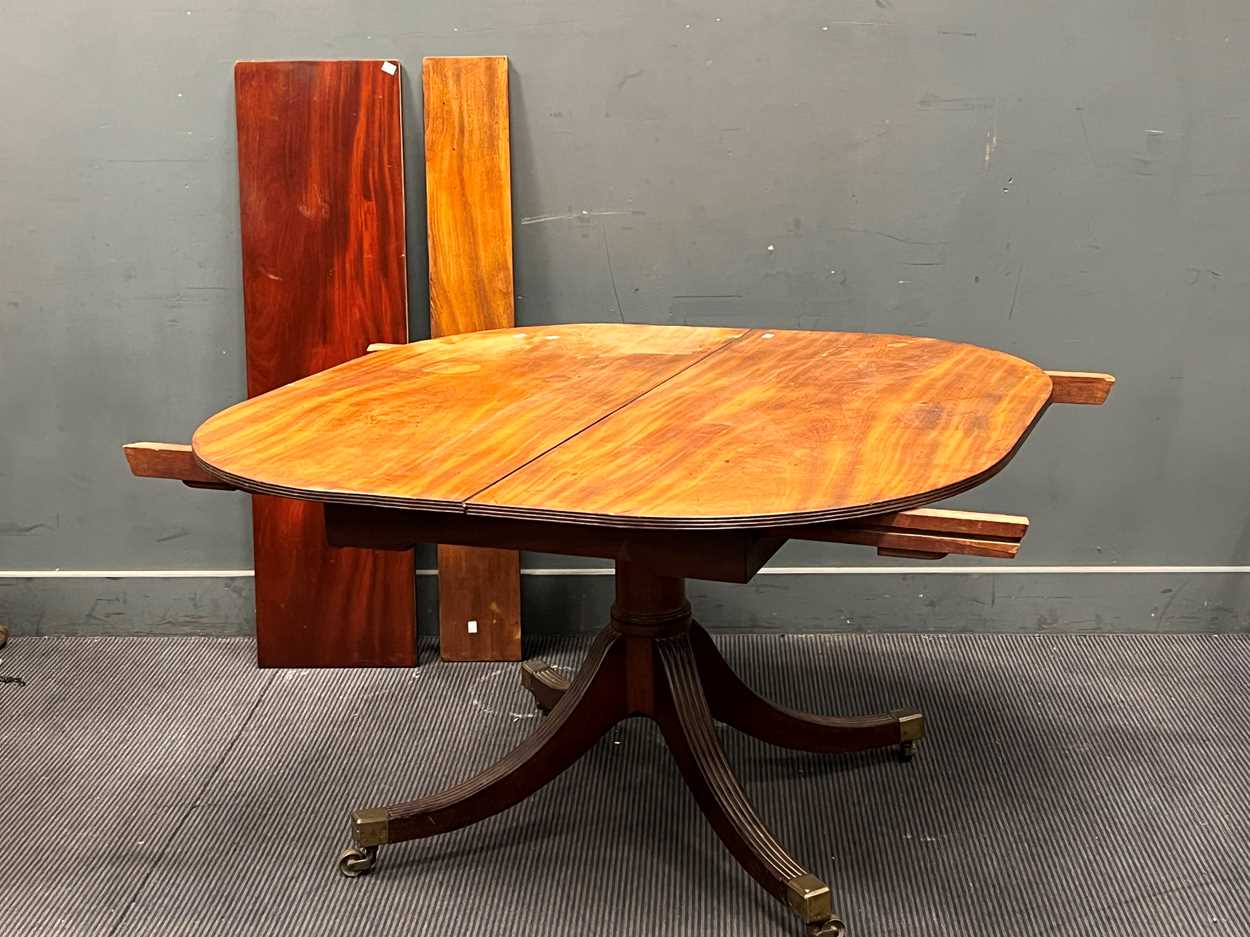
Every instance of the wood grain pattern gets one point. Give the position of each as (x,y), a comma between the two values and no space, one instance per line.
(479,603)
(789,427)
(639,426)
(926,533)
(429,424)
(468,186)
(321,197)
(910,542)
(968,523)
(1084,387)
(322,207)
(469,207)
(169,460)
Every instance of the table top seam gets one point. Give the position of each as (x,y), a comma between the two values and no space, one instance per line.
(464,504)
(759,523)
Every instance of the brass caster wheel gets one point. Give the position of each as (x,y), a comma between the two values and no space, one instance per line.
(833,927)
(907,750)
(355,861)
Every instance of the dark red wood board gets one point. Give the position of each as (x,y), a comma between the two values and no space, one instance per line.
(321,192)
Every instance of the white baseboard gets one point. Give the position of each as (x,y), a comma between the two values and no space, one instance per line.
(986,570)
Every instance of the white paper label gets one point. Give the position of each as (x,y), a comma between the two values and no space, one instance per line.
(472,626)
(390,68)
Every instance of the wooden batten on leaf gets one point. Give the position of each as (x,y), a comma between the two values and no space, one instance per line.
(171,460)
(927,533)
(1084,387)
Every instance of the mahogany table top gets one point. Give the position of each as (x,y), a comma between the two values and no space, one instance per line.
(638,426)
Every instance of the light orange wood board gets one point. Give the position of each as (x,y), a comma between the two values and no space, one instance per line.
(469,206)
(468,191)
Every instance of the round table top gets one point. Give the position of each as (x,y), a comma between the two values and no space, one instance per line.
(638,426)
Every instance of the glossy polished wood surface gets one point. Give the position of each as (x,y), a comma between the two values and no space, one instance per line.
(468,193)
(789,427)
(321,203)
(640,426)
(468,186)
(321,193)
(432,423)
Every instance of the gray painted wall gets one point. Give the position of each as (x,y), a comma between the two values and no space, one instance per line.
(1065,181)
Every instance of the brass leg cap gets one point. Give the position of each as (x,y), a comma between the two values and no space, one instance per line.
(910,727)
(910,732)
(369,827)
(809,897)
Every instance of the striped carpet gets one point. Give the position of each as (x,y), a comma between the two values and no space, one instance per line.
(1070,785)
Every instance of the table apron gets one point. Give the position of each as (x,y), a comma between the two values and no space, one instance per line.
(718,555)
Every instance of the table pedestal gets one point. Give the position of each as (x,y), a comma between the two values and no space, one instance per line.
(651,660)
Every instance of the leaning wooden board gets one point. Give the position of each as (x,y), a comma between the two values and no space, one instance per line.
(321,191)
(469,198)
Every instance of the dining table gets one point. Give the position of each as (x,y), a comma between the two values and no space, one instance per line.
(675,452)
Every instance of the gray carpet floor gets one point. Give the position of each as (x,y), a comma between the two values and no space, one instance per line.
(1069,785)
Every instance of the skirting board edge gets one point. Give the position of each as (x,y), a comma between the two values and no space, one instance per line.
(796,600)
